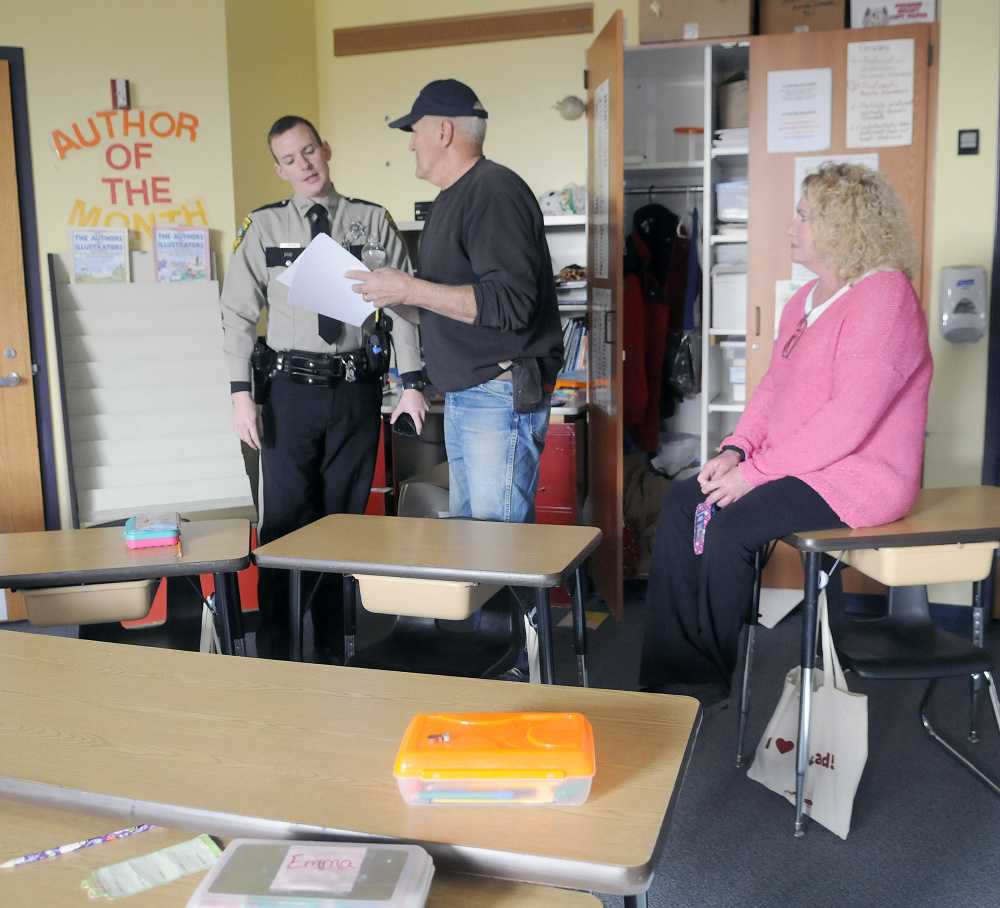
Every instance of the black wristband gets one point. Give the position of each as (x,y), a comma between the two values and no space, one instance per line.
(739,451)
(412,381)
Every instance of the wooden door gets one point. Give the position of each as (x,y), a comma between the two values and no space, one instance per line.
(772,193)
(20,471)
(605,239)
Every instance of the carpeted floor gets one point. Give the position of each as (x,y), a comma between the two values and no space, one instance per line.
(924,829)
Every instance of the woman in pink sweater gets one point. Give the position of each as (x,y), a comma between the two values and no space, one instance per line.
(833,435)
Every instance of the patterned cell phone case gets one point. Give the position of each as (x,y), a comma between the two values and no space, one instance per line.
(702,514)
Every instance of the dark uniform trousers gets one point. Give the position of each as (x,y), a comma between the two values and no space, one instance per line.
(317,458)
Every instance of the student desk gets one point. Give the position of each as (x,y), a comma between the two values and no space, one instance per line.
(938,517)
(261,748)
(25,829)
(540,556)
(99,555)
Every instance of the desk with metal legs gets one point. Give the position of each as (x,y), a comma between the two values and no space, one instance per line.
(62,558)
(510,554)
(938,517)
(263,748)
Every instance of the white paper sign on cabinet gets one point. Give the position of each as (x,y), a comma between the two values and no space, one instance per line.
(880,93)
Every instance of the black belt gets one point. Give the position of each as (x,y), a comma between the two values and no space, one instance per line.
(323,369)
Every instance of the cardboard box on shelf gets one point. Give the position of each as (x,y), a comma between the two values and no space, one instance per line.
(734,104)
(872,13)
(688,20)
(778,17)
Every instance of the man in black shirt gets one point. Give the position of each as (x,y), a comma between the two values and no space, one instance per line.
(486,304)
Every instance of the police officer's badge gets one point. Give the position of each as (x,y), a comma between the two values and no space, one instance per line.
(240,233)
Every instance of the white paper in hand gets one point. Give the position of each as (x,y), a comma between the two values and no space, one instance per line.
(316,281)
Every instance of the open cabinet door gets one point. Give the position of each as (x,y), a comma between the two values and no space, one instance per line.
(605,239)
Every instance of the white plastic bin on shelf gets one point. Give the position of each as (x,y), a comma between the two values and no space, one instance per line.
(735,354)
(729,298)
(736,363)
(731,254)
(689,143)
(731,201)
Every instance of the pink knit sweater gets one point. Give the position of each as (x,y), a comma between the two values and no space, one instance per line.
(846,410)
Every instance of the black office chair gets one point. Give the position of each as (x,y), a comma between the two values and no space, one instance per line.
(482,646)
(905,644)
(902,644)
(456,629)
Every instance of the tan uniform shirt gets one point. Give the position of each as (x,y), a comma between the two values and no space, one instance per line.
(266,244)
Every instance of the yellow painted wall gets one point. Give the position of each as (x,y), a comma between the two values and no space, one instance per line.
(517,82)
(964,212)
(964,200)
(272,72)
(175,59)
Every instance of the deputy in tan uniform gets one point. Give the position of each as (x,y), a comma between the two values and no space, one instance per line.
(318,430)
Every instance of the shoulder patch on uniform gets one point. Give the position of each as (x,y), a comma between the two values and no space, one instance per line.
(393,227)
(241,232)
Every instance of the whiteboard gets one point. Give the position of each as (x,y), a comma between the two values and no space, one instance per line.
(146,399)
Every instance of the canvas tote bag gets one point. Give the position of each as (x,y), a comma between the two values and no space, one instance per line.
(838,740)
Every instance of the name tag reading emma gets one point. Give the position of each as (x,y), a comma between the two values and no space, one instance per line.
(330,869)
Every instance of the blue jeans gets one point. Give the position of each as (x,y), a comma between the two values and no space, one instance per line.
(493,453)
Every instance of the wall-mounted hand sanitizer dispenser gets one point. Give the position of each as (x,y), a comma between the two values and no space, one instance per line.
(962,300)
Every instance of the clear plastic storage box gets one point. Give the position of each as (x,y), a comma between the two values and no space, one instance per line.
(277,873)
(731,201)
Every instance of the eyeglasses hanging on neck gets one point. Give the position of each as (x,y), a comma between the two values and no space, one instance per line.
(796,334)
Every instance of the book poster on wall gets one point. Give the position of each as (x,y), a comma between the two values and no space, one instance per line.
(99,255)
(181,254)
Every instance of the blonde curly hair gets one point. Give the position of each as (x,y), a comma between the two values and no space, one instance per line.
(858,221)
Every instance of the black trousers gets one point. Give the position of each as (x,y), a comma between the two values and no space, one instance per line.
(696,605)
(317,458)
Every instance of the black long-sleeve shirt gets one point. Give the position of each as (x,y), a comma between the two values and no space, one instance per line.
(486,230)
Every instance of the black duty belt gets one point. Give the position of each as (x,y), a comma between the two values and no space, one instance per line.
(323,369)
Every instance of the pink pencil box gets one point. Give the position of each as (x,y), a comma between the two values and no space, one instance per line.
(145,530)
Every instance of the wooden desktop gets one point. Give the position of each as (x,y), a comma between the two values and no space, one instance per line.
(292,750)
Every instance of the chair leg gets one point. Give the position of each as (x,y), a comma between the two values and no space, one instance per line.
(580,627)
(745,696)
(947,745)
(977,679)
(759,560)
(350,604)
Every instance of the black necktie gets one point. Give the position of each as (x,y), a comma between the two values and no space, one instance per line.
(329,328)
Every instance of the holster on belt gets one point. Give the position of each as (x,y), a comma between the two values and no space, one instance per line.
(264,366)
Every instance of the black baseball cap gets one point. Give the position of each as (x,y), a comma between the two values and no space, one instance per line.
(444,98)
